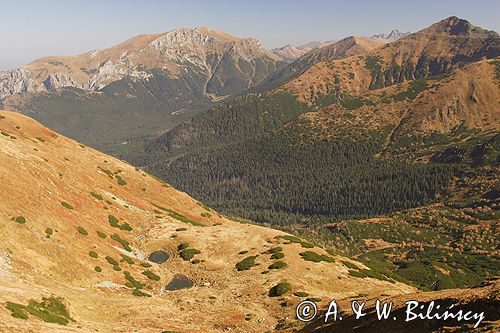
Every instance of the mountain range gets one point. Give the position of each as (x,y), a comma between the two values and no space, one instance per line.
(365,168)
(151,83)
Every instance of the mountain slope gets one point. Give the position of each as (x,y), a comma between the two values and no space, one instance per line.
(83,226)
(482,299)
(346,47)
(338,128)
(211,53)
(290,52)
(419,113)
(441,48)
(113,97)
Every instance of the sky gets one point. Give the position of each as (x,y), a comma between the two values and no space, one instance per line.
(32,29)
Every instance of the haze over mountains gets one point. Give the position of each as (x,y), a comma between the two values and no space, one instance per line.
(290,52)
(382,153)
(208,53)
(151,83)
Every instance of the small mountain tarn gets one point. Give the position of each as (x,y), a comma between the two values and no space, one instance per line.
(179,282)
(159,257)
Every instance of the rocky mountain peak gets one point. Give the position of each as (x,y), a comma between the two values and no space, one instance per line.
(390,37)
(183,37)
(459,27)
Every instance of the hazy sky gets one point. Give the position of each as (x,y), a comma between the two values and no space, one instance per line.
(32,29)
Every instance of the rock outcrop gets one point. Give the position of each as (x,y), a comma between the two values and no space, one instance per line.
(237,63)
(17,81)
(58,80)
(394,35)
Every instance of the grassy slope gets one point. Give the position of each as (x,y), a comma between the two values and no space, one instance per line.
(82,209)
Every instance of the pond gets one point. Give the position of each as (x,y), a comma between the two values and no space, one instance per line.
(179,282)
(159,257)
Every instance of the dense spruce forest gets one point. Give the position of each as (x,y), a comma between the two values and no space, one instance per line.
(279,177)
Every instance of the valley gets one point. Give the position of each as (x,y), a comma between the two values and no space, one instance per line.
(86,230)
(241,181)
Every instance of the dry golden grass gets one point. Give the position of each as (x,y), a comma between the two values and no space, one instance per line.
(37,176)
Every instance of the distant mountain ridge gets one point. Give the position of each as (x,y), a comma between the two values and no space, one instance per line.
(346,47)
(444,46)
(394,35)
(228,64)
(290,52)
(149,83)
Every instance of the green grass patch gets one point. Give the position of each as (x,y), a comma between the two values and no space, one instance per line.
(278,265)
(314,299)
(301,294)
(98,269)
(278,255)
(139,293)
(124,243)
(185,219)
(182,246)
(414,88)
(17,310)
(133,283)
(349,264)
(127,259)
(180,217)
(93,254)
(50,310)
(126,227)
(113,221)
(150,275)
(67,205)
(297,240)
(97,196)
(315,257)
(274,250)
(111,261)
(101,235)
(108,172)
(188,254)
(20,220)
(82,231)
(146,264)
(368,273)
(246,263)
(280,289)
(121,181)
